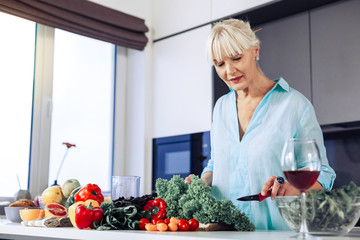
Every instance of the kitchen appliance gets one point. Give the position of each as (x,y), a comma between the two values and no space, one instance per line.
(180,155)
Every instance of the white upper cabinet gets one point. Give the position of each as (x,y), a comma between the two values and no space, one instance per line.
(182,85)
(173,16)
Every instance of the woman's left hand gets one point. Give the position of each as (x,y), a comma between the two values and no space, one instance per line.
(277,189)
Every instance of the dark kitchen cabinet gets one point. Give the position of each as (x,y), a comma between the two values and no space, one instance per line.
(335,47)
(317,51)
(285,51)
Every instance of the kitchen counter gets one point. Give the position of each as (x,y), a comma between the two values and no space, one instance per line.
(10,230)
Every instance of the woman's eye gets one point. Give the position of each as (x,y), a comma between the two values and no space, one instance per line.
(219,64)
(237,58)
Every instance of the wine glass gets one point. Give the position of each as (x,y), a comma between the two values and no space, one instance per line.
(301,164)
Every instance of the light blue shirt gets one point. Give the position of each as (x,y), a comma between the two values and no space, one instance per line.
(241,168)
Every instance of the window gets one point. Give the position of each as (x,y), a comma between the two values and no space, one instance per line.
(82,109)
(17,47)
(81,80)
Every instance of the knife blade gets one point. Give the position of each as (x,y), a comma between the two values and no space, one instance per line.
(255,197)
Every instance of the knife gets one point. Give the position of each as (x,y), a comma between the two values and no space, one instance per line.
(256,197)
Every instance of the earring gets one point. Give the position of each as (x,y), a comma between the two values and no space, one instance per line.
(257,58)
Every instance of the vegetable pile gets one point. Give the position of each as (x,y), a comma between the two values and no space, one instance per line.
(333,209)
(327,210)
(187,201)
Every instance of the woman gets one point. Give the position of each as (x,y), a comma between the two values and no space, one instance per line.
(251,124)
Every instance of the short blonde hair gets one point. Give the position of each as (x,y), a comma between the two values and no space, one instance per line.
(233,36)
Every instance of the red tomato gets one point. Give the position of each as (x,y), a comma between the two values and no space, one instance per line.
(183,225)
(167,220)
(143,222)
(157,220)
(194,224)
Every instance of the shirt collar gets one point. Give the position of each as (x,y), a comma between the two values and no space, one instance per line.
(282,83)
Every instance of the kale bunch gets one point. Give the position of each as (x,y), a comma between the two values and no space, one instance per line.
(194,200)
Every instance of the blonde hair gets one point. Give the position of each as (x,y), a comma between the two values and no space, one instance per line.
(233,36)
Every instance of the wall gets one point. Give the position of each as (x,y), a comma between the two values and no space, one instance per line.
(146,93)
(132,154)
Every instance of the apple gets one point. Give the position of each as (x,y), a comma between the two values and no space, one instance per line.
(68,186)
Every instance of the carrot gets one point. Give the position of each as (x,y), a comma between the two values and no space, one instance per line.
(173,227)
(162,227)
(151,227)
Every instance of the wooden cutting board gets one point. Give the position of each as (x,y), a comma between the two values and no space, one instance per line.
(216,227)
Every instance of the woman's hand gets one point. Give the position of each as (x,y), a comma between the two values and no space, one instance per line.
(207,178)
(188,179)
(277,189)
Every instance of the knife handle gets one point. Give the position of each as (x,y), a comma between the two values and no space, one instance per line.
(261,197)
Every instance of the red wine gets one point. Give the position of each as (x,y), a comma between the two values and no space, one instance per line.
(302,179)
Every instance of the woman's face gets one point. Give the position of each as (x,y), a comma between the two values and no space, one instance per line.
(239,71)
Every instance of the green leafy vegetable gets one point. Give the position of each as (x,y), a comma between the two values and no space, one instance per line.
(333,210)
(194,200)
(116,218)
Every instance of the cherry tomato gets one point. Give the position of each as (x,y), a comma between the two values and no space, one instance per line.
(167,220)
(143,222)
(157,220)
(194,224)
(183,225)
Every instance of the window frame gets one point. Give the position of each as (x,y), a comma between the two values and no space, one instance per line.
(42,110)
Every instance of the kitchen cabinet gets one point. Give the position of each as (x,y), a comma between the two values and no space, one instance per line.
(336,61)
(182,87)
(318,53)
(220,8)
(172,16)
(285,51)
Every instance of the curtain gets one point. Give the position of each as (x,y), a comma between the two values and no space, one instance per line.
(82,17)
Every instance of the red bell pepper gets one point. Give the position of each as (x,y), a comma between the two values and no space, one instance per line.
(90,191)
(157,207)
(86,216)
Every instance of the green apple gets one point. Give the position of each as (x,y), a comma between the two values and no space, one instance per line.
(68,186)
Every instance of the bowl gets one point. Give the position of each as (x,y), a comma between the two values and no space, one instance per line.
(13,213)
(326,214)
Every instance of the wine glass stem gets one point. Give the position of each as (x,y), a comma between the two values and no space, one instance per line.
(303,229)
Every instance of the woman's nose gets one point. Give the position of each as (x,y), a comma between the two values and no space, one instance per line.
(230,68)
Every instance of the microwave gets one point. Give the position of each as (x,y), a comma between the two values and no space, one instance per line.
(180,155)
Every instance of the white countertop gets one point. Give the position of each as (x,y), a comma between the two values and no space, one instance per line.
(10,230)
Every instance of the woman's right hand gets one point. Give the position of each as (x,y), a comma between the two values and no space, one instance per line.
(207,178)
(188,178)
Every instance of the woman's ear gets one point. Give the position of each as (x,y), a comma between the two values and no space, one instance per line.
(257,50)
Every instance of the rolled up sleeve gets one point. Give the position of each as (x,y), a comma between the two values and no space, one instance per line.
(309,127)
